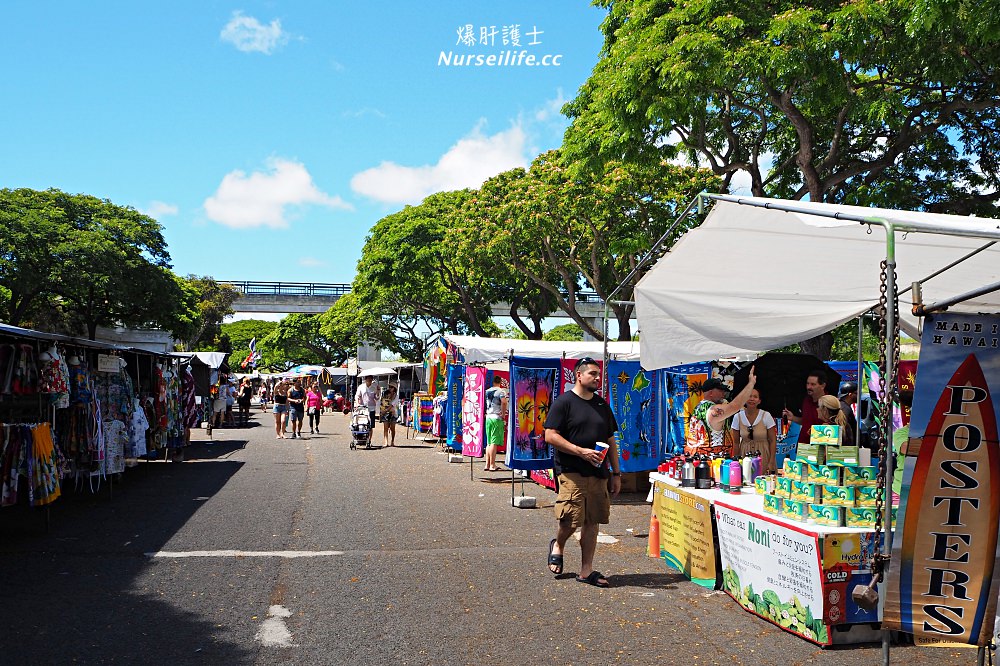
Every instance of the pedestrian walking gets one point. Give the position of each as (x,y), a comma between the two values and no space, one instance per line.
(314,405)
(578,426)
(389,410)
(243,398)
(296,407)
(280,408)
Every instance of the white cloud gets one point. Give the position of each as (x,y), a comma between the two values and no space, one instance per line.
(362,112)
(158,209)
(248,34)
(261,199)
(473,159)
(312,262)
(552,108)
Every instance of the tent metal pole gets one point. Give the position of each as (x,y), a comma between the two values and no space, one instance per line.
(890,380)
(861,376)
(942,305)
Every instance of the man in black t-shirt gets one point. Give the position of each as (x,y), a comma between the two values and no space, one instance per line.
(577,421)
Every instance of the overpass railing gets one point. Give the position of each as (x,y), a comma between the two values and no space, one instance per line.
(303,289)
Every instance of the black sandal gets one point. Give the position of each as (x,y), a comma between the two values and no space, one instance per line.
(594,579)
(555,560)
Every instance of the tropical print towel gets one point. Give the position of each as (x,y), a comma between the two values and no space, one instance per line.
(535,383)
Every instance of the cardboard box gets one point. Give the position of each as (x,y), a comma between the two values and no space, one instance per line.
(796,470)
(826,515)
(860,476)
(826,475)
(783,487)
(803,491)
(865,495)
(825,435)
(773,505)
(842,455)
(811,453)
(838,495)
(635,482)
(760,484)
(795,510)
(859,517)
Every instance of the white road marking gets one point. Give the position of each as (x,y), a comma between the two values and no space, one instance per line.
(245,553)
(273,632)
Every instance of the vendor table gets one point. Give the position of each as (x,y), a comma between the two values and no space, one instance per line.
(795,575)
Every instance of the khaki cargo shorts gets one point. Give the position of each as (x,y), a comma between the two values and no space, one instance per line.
(583,500)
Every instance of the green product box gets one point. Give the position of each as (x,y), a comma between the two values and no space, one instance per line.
(803,491)
(773,505)
(841,455)
(796,469)
(859,516)
(811,453)
(760,484)
(865,495)
(838,495)
(827,475)
(825,435)
(795,510)
(826,515)
(860,476)
(784,487)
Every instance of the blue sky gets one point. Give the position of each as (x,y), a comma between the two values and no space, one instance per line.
(281,130)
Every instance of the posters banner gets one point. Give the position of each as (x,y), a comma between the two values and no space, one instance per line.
(943,575)
(534,384)
(773,570)
(453,413)
(632,400)
(686,541)
(473,412)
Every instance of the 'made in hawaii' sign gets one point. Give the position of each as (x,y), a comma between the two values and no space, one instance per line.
(943,576)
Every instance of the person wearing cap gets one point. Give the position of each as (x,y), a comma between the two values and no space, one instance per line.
(848,398)
(710,428)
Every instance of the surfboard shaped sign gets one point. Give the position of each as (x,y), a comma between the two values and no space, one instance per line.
(943,576)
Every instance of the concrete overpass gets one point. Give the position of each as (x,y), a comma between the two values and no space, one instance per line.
(315,298)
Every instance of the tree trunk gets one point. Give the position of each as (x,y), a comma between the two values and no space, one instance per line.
(819,346)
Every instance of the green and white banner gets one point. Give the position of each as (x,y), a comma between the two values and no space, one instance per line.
(773,570)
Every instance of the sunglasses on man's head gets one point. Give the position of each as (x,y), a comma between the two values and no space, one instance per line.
(586,360)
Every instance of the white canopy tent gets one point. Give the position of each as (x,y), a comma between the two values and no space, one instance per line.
(487,350)
(753,277)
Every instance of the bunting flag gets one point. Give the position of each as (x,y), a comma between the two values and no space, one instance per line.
(535,383)
(907,380)
(632,401)
(453,408)
(473,411)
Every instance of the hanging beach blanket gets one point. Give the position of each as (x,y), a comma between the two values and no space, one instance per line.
(683,383)
(453,408)
(473,412)
(426,412)
(632,401)
(535,383)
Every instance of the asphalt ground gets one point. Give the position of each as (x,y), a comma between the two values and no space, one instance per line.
(419,564)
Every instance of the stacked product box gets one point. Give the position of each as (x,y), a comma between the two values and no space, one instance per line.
(830,495)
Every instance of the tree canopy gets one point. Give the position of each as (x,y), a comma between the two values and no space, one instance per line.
(891,103)
(91,262)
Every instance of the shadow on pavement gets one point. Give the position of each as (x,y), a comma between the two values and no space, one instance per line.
(213,450)
(84,592)
(652,581)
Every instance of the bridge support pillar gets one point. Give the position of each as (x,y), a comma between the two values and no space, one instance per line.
(597,323)
(366,352)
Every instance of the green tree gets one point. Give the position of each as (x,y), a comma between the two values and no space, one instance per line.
(98,263)
(235,338)
(892,103)
(570,233)
(564,332)
(299,339)
(215,303)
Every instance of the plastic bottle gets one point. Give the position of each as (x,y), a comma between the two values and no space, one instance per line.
(735,477)
(653,543)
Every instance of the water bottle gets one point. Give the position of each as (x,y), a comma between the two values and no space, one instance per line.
(688,480)
(724,475)
(746,465)
(735,477)
(703,475)
(756,462)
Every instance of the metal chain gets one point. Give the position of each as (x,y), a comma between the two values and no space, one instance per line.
(886,388)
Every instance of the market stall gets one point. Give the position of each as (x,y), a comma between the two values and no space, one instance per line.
(946,262)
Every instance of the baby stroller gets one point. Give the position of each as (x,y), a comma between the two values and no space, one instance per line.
(361,428)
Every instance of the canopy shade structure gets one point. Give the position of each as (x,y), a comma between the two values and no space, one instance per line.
(487,350)
(753,278)
(376,372)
